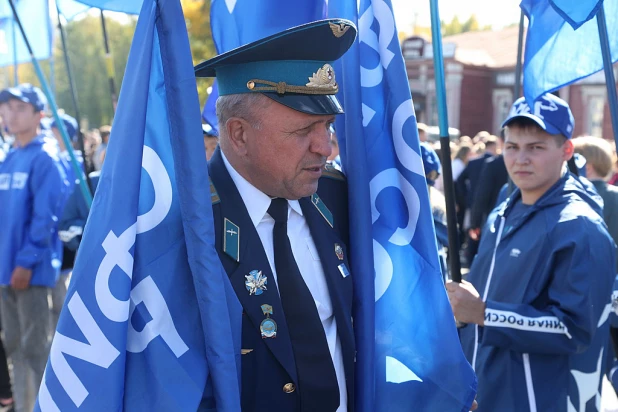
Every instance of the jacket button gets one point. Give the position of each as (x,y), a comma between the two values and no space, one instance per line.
(289,388)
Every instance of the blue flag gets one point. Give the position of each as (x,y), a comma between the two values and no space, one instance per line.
(150,316)
(238,22)
(71,8)
(34,16)
(209,114)
(562,43)
(121,6)
(408,351)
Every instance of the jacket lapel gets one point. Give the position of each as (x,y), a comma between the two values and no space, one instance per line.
(250,256)
(340,287)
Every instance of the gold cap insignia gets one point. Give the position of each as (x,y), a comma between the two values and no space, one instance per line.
(339,29)
(324,78)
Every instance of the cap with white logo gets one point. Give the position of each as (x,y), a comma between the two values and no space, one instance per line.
(550,112)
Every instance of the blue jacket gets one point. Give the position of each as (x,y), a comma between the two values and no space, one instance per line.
(546,280)
(33,191)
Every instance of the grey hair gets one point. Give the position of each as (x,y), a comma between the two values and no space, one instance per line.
(240,105)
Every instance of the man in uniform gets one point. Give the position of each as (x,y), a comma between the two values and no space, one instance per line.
(281,217)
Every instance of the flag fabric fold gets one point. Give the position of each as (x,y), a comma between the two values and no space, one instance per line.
(562,43)
(149,317)
(408,351)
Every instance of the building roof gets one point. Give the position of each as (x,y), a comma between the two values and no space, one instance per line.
(486,48)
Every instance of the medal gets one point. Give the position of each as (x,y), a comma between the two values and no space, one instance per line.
(268,327)
(256,282)
(339,251)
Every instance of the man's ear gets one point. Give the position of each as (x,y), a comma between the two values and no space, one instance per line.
(567,149)
(237,134)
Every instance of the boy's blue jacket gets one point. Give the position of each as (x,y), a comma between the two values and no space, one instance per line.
(546,280)
(33,191)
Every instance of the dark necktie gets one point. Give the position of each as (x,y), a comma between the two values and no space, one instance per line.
(317,381)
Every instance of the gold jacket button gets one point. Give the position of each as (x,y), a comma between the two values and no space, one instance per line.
(289,388)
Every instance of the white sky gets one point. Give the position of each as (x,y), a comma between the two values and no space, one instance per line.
(498,13)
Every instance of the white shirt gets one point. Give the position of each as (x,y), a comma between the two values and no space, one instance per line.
(307,259)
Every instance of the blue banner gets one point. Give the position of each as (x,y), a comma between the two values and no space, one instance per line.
(71,8)
(34,16)
(121,6)
(150,316)
(408,351)
(560,52)
(238,22)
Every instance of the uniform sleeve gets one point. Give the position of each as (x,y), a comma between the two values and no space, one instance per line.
(73,220)
(49,188)
(569,308)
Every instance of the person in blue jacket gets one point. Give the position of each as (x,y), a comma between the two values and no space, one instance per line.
(33,191)
(537,298)
(73,220)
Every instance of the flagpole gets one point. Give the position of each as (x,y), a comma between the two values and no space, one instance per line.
(52,103)
(445,147)
(520,49)
(67,63)
(109,64)
(610,81)
(15,75)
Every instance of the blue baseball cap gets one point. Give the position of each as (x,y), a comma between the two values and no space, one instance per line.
(69,123)
(431,163)
(208,130)
(293,67)
(26,93)
(550,112)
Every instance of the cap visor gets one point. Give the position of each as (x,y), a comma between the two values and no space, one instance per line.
(7,94)
(543,125)
(310,104)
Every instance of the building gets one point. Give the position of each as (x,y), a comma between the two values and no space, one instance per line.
(480,77)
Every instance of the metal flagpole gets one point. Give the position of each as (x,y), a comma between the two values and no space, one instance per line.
(109,64)
(445,148)
(610,81)
(520,48)
(52,103)
(67,63)
(15,75)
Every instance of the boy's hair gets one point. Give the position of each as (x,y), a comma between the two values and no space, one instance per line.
(597,152)
(530,126)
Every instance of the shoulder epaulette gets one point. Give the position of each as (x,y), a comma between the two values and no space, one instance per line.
(331,172)
(214,196)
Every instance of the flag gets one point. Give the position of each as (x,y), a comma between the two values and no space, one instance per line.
(408,351)
(562,43)
(238,22)
(121,6)
(209,114)
(71,8)
(34,16)
(150,316)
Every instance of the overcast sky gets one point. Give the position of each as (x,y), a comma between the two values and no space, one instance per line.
(498,13)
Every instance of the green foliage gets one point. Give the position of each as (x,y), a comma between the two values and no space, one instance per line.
(86,52)
(456,27)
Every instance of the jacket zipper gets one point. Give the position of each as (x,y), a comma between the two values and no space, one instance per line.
(491,272)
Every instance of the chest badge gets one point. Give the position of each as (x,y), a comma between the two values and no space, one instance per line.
(268,327)
(339,251)
(256,282)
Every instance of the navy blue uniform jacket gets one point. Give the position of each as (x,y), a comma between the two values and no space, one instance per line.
(269,365)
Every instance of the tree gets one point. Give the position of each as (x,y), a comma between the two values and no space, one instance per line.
(456,27)
(86,54)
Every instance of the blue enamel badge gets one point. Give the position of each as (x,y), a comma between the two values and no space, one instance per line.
(256,282)
(268,327)
(324,211)
(231,239)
